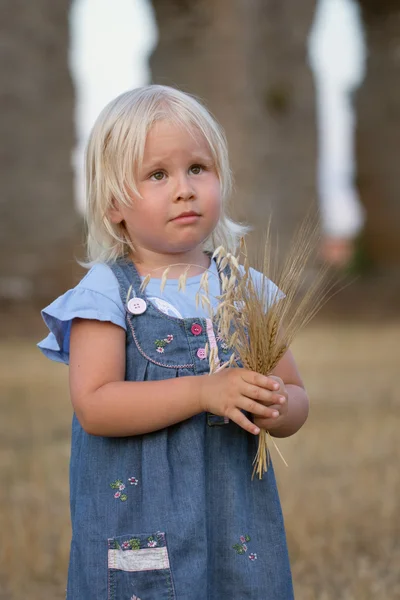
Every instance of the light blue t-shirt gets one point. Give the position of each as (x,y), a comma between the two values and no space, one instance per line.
(97,297)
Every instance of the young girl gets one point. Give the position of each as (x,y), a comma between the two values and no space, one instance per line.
(162,501)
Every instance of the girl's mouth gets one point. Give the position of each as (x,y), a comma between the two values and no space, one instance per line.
(187,217)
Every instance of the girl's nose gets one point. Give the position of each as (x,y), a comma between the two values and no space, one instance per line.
(184,189)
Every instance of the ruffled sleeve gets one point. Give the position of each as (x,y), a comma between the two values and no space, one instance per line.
(83,303)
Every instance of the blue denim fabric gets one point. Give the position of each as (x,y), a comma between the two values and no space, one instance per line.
(173,514)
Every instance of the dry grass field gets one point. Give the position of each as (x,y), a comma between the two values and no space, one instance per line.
(340,493)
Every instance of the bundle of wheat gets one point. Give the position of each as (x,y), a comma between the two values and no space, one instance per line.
(259,322)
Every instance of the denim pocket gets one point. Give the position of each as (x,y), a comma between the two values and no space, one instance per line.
(139,568)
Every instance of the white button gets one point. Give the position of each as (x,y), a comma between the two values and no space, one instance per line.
(137,306)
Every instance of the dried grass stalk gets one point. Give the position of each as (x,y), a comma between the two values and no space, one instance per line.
(260,323)
(145,282)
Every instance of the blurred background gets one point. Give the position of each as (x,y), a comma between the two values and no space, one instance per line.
(308,93)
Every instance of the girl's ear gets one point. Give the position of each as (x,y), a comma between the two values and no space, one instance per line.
(114,213)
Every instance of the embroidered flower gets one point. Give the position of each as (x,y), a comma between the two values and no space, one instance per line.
(224,345)
(160,344)
(119,485)
(125,546)
(151,542)
(253,556)
(242,547)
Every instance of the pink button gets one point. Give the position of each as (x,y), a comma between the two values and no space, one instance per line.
(137,306)
(201,353)
(196,329)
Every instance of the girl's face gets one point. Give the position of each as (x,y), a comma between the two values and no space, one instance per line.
(181,198)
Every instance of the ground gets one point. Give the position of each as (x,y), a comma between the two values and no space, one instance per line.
(339,493)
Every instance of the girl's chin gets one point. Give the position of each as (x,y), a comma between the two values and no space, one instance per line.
(186,246)
(193,252)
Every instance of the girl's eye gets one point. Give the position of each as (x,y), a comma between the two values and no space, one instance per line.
(196,169)
(158,176)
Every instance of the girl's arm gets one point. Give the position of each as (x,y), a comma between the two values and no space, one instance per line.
(293,412)
(107,405)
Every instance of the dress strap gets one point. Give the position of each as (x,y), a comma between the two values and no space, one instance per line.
(128,279)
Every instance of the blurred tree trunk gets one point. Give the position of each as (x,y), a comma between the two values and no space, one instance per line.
(378,132)
(38,223)
(248,61)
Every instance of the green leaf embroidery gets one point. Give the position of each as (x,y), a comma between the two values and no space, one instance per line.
(160,343)
(134,544)
(116,484)
(239,548)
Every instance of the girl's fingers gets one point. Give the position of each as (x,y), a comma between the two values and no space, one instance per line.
(262,381)
(276,408)
(261,395)
(240,419)
(265,423)
(277,380)
(259,410)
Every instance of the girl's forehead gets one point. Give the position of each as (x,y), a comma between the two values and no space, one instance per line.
(168,130)
(166,136)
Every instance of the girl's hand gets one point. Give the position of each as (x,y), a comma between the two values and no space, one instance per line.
(281,407)
(231,391)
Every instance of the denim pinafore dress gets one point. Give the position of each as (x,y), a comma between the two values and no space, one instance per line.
(173,514)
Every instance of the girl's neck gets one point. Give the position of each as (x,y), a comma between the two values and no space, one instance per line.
(154,264)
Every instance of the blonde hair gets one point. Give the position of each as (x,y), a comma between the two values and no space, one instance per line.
(117,142)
